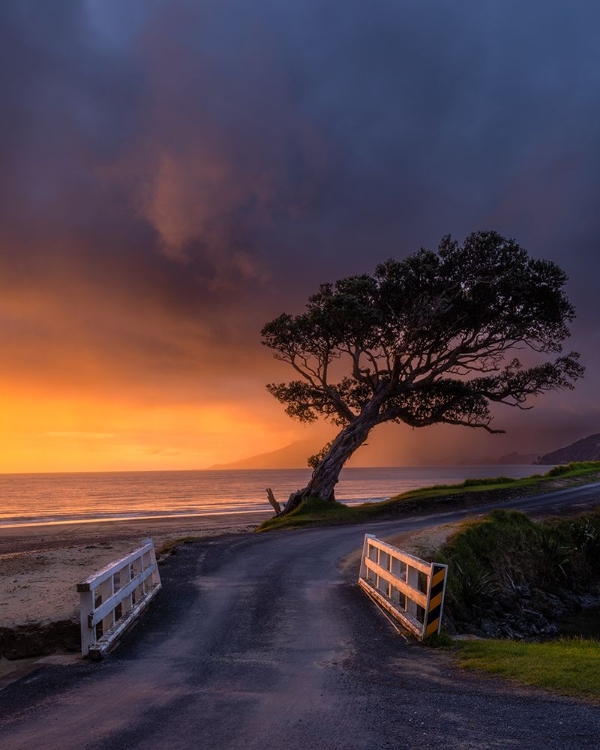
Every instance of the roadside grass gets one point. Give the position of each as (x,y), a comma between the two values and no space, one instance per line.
(569,667)
(440,640)
(312,511)
(170,546)
(570,470)
(315,512)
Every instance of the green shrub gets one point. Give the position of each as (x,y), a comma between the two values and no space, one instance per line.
(555,554)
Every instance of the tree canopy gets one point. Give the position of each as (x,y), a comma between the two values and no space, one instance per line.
(437,337)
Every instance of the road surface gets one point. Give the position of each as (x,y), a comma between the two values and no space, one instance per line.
(264,642)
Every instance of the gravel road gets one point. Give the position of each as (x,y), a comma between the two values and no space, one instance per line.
(265,642)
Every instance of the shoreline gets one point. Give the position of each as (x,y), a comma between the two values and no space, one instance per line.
(45,536)
(40,566)
(127,519)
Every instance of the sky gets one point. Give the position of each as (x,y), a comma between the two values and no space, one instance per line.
(176,173)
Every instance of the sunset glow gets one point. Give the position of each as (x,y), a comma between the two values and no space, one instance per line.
(43,433)
(170,183)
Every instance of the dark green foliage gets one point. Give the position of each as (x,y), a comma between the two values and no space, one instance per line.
(473,584)
(586,538)
(507,550)
(489,550)
(555,555)
(314,461)
(428,339)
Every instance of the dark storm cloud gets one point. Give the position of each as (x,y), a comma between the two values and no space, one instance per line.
(175,173)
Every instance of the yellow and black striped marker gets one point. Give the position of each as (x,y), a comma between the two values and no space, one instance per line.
(436,599)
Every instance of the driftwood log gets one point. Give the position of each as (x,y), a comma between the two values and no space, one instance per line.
(274,503)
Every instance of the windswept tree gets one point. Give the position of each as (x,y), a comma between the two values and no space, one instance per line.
(431,339)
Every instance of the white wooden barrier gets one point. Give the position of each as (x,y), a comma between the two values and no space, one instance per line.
(113,598)
(409,588)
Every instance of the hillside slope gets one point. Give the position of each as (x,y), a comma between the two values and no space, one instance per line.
(587,449)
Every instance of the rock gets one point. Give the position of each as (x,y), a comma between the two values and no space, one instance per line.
(550,631)
(548,605)
(449,625)
(509,632)
(509,604)
(535,618)
(587,601)
(490,629)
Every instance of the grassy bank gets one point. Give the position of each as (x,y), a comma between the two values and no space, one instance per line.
(568,667)
(509,576)
(470,493)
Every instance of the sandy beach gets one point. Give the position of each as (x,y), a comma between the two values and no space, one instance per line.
(41,565)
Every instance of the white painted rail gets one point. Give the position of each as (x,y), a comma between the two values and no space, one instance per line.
(410,589)
(113,598)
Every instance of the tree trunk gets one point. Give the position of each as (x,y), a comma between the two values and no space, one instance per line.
(325,476)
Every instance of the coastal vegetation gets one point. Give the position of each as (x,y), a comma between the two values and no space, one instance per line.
(314,511)
(431,339)
(511,577)
(517,581)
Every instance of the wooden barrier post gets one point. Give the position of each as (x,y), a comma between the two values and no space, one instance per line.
(435,599)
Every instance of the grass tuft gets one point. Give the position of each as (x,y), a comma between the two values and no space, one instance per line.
(170,546)
(441,640)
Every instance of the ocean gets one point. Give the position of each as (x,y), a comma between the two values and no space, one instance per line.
(27,499)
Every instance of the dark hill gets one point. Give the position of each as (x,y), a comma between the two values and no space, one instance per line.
(587,449)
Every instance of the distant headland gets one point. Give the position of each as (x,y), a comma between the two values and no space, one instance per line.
(586,449)
(294,456)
